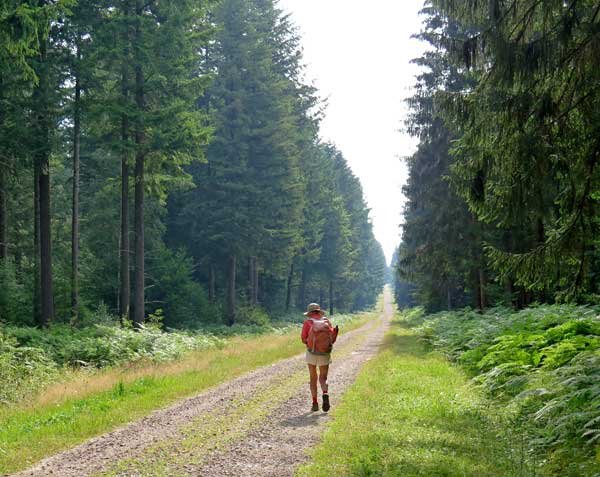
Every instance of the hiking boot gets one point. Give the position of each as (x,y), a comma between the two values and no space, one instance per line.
(315,406)
(326,402)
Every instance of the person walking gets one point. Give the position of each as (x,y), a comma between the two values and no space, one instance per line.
(318,335)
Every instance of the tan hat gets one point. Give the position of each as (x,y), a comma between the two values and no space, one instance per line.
(313,307)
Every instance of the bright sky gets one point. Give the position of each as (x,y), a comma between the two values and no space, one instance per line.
(358,55)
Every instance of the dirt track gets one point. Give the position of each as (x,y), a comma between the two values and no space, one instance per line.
(256,425)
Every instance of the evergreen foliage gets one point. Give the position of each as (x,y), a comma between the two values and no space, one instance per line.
(502,211)
(271,212)
(502,191)
(149,148)
(440,259)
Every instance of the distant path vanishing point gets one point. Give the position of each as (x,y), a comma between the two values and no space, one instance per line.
(256,425)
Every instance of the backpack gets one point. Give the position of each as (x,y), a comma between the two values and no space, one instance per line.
(320,339)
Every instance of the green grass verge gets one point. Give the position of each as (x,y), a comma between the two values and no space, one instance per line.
(30,433)
(184,454)
(207,433)
(412,413)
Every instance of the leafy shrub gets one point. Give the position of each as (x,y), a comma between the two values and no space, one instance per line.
(172,288)
(15,299)
(23,370)
(100,316)
(105,345)
(252,315)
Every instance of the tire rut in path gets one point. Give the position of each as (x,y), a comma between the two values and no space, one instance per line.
(272,448)
(280,444)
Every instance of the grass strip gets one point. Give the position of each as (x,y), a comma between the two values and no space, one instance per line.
(412,413)
(212,431)
(208,433)
(30,433)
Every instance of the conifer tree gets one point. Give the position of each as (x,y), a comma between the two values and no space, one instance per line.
(168,129)
(76,32)
(527,158)
(442,243)
(248,198)
(44,104)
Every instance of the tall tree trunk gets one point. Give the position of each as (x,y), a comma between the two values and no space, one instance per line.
(139,311)
(302,290)
(124,249)
(255,283)
(288,295)
(37,278)
(481,285)
(250,290)
(124,252)
(321,296)
(138,317)
(211,283)
(541,239)
(509,288)
(448,296)
(480,272)
(42,158)
(47,295)
(75,212)
(330,297)
(3,212)
(231,291)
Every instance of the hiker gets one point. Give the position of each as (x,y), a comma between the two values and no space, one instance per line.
(318,335)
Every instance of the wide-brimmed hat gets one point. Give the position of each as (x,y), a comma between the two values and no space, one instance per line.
(313,307)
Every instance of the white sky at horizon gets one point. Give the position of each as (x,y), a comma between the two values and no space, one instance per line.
(358,55)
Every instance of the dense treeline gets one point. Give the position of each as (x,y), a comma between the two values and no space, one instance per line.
(503,190)
(164,158)
(502,213)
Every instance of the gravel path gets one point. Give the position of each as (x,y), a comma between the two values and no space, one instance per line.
(254,425)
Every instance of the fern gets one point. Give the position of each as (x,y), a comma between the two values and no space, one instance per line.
(544,364)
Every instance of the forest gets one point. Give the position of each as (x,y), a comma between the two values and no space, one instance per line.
(502,198)
(163,159)
(169,207)
(500,233)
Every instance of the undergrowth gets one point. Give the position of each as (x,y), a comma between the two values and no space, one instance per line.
(31,358)
(85,402)
(543,363)
(411,413)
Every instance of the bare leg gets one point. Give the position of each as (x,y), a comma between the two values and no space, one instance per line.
(312,370)
(323,370)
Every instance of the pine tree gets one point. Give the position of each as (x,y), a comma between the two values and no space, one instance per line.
(527,158)
(76,31)
(247,203)
(168,129)
(45,98)
(23,27)
(441,255)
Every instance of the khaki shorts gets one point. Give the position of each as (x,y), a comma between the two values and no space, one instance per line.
(318,359)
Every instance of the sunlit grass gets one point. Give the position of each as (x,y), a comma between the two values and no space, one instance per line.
(411,413)
(84,405)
